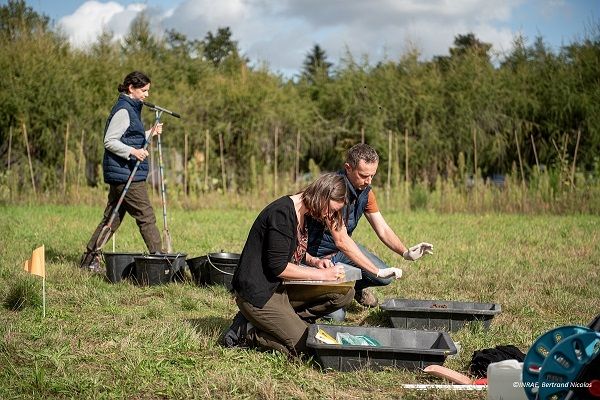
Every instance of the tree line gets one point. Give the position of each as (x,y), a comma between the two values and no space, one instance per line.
(467,115)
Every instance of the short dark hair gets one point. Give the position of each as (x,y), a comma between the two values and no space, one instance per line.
(363,152)
(136,78)
(316,197)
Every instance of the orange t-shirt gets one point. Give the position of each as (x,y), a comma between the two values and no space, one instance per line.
(371,206)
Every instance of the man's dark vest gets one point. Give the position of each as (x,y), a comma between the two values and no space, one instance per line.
(117,169)
(320,241)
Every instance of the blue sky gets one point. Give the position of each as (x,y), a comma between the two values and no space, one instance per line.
(279,33)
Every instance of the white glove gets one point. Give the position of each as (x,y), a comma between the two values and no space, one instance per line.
(417,251)
(389,272)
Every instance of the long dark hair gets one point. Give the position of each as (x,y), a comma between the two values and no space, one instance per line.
(316,197)
(136,78)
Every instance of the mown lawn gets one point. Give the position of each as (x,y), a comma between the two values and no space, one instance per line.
(103,340)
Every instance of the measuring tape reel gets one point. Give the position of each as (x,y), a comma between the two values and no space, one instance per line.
(562,363)
(567,361)
(538,353)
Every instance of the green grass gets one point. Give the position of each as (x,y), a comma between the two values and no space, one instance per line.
(103,340)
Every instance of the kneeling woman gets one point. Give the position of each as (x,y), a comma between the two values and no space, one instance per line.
(273,317)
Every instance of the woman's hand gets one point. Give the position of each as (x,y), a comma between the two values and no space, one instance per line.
(332,273)
(139,154)
(157,129)
(321,262)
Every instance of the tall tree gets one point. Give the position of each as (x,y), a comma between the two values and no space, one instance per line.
(219,46)
(316,67)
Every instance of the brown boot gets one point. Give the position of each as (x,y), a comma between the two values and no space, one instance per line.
(366,298)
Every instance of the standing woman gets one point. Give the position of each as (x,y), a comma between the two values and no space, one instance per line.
(124,138)
(272,316)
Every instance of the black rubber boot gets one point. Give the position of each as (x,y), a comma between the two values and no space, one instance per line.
(90,261)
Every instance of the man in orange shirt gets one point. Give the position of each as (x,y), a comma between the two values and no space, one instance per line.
(359,169)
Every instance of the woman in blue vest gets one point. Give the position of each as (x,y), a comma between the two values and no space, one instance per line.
(124,139)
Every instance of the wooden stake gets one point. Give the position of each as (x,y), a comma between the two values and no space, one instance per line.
(206,153)
(297,165)
(223,176)
(80,159)
(398,162)
(66,157)
(390,160)
(29,159)
(275,172)
(362,134)
(520,159)
(575,158)
(537,162)
(406,176)
(474,156)
(9,145)
(185,162)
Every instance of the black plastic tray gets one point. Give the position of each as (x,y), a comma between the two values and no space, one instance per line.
(400,348)
(439,315)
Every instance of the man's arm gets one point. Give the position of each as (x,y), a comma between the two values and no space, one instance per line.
(391,240)
(346,245)
(385,233)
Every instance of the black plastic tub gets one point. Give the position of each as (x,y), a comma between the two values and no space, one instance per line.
(199,270)
(442,315)
(400,348)
(221,267)
(157,269)
(119,266)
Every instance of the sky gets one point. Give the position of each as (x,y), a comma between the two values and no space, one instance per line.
(280,33)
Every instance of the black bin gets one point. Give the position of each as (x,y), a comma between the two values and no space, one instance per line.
(442,315)
(221,268)
(400,348)
(157,269)
(119,265)
(199,269)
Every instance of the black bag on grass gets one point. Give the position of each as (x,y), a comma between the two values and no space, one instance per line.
(482,358)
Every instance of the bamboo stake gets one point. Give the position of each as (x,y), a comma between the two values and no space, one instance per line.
(185,162)
(390,160)
(575,158)
(474,156)
(475,165)
(206,153)
(537,162)
(66,157)
(223,180)
(8,169)
(398,162)
(275,172)
(406,175)
(10,130)
(29,159)
(362,135)
(80,160)
(297,165)
(520,159)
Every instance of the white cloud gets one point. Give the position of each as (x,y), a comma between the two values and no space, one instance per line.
(87,22)
(281,32)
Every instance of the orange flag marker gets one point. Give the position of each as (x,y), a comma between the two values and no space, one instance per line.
(36,265)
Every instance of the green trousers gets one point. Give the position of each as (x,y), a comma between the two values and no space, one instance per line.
(282,324)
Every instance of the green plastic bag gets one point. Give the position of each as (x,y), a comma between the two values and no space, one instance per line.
(356,340)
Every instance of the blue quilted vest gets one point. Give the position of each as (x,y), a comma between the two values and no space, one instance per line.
(320,241)
(117,169)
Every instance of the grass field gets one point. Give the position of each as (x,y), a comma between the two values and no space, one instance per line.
(102,340)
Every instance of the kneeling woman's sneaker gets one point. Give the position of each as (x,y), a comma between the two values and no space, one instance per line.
(236,334)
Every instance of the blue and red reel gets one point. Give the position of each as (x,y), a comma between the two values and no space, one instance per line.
(557,360)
